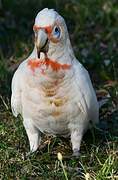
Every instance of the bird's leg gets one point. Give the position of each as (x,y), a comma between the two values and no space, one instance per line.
(76,137)
(33,135)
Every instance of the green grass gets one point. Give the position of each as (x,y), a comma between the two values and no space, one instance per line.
(98,154)
(94,35)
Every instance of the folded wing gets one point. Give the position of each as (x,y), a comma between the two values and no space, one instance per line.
(16,103)
(86,95)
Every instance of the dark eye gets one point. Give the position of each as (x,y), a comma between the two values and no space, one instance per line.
(56,32)
(56,29)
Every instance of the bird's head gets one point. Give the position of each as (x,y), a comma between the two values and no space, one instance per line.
(50,30)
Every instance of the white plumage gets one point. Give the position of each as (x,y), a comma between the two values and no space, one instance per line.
(53,92)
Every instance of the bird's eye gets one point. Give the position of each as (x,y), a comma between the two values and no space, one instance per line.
(56,32)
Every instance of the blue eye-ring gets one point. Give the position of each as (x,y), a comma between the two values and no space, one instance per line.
(56,32)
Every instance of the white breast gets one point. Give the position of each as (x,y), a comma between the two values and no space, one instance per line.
(50,102)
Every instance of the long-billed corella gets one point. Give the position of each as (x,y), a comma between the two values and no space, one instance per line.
(51,89)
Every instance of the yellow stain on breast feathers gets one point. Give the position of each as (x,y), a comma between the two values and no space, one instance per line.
(56,113)
(50,91)
(58,101)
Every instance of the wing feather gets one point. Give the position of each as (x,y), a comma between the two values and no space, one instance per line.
(16,104)
(86,93)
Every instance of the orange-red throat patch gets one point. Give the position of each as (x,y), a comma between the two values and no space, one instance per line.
(37,63)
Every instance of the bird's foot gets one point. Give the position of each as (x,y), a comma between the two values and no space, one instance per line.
(76,153)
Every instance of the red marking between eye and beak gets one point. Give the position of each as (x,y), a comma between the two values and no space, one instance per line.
(48,29)
(36,28)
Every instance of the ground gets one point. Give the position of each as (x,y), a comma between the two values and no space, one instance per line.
(94,36)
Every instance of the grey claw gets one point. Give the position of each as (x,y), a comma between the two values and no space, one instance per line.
(76,153)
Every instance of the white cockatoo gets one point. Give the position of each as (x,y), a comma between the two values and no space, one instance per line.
(51,89)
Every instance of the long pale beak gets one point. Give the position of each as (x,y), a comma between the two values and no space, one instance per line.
(41,41)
